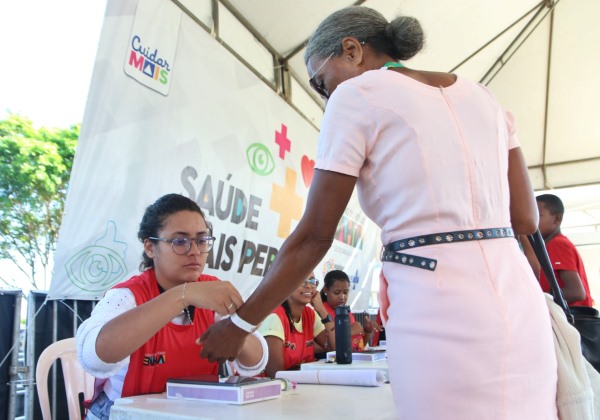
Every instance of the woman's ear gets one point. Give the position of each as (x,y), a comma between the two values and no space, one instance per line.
(352,50)
(149,248)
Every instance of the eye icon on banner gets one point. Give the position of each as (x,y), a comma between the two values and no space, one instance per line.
(152,45)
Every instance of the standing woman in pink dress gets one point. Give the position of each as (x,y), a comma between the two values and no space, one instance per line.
(438,167)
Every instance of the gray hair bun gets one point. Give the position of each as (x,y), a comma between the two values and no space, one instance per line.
(401,38)
(406,37)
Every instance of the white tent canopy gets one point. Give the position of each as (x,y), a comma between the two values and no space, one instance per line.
(533,55)
(540,58)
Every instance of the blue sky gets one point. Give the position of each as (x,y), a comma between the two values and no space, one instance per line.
(48,48)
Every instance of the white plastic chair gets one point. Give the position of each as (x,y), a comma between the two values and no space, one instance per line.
(76,379)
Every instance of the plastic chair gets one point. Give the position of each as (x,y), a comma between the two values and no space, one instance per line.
(76,379)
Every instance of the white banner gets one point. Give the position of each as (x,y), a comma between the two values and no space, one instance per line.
(221,137)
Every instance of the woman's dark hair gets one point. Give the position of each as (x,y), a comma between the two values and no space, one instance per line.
(155,216)
(288,312)
(330,278)
(402,38)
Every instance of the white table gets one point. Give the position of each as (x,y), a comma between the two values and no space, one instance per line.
(322,364)
(307,401)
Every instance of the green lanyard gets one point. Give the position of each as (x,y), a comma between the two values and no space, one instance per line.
(393,64)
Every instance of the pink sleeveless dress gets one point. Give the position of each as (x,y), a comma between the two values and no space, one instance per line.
(472,339)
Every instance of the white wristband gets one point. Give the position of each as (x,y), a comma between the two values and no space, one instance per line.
(241,324)
(260,366)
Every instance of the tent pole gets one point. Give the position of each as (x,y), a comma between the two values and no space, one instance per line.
(547,104)
(516,43)
(491,41)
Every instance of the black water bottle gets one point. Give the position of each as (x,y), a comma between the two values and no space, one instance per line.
(343,339)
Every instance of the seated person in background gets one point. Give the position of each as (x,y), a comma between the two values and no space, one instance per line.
(334,293)
(294,327)
(145,329)
(566,261)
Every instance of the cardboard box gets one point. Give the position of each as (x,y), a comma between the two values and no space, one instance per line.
(365,356)
(192,388)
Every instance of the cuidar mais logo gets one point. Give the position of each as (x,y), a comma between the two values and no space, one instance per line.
(149,63)
(152,44)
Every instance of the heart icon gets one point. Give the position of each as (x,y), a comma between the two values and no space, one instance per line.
(308,170)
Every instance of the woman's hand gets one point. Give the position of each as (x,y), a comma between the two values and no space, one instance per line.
(327,337)
(215,348)
(369,325)
(219,296)
(317,303)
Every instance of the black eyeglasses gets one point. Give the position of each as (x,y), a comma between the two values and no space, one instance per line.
(183,244)
(311,282)
(320,87)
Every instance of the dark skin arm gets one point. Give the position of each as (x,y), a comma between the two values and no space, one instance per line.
(319,348)
(322,340)
(572,289)
(275,363)
(367,329)
(531,257)
(356,328)
(302,250)
(524,213)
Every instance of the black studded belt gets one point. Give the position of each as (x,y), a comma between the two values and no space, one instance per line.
(391,252)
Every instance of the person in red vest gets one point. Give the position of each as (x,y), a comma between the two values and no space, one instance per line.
(566,261)
(145,329)
(335,292)
(292,330)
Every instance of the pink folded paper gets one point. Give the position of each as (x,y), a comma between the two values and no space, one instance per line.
(357,377)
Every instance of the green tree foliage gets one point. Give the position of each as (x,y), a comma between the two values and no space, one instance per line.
(35,166)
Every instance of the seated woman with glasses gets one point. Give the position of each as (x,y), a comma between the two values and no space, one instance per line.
(294,327)
(145,329)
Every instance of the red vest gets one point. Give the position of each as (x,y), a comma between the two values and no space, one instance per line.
(172,351)
(298,347)
(357,340)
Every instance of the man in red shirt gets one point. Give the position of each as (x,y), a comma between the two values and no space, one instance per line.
(566,261)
